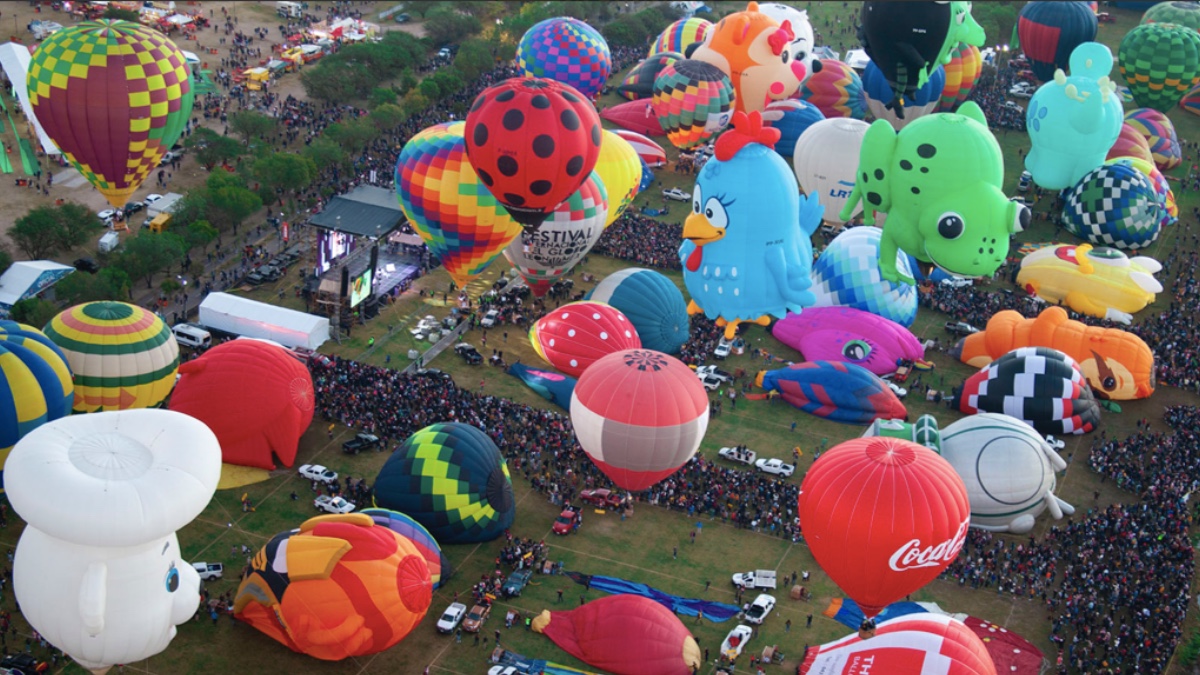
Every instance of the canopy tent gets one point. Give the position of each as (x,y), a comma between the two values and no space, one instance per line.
(26,279)
(242,316)
(14,60)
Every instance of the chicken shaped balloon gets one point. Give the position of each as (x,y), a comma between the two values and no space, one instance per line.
(746,252)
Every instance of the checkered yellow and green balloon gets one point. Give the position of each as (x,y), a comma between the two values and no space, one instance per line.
(114,96)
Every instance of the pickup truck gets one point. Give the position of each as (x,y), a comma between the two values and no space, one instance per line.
(775,467)
(737,454)
(755,579)
(209,571)
(960,328)
(332,504)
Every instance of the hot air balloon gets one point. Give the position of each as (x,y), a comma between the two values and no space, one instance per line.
(825,161)
(573,337)
(256,397)
(1041,386)
(849,335)
(452,479)
(792,118)
(98,571)
(35,383)
(620,170)
(652,303)
(680,35)
(1191,100)
(1160,135)
(566,50)
(121,356)
(624,635)
(338,587)
(533,143)
(962,73)
(1130,143)
(847,274)
(448,206)
(637,116)
(1114,205)
(836,90)
(878,94)
(1169,208)
(417,535)
(1176,12)
(651,153)
(1160,62)
(639,83)
(915,644)
(907,42)
(883,517)
(693,101)
(840,392)
(1102,282)
(544,255)
(1049,31)
(640,415)
(114,96)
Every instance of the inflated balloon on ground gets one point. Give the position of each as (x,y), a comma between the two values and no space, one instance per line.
(1040,386)
(680,36)
(825,160)
(1049,31)
(1114,205)
(915,643)
(847,274)
(1130,143)
(836,90)
(545,255)
(849,335)
(792,118)
(652,302)
(837,391)
(639,83)
(35,383)
(1176,12)
(1160,62)
(620,170)
(1160,135)
(574,336)
(1102,282)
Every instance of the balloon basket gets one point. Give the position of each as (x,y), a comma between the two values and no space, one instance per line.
(866,631)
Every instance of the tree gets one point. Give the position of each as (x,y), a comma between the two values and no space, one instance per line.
(474,58)
(408,80)
(286,171)
(193,207)
(34,311)
(420,7)
(250,124)
(324,152)
(446,25)
(76,225)
(381,96)
(387,116)
(414,103)
(232,204)
(108,284)
(211,148)
(429,89)
(36,233)
(327,83)
(353,135)
(199,235)
(122,14)
(148,254)
(6,259)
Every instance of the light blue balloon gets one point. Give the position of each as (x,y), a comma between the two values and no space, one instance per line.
(846,274)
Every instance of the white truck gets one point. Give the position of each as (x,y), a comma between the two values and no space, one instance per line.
(755,579)
(289,10)
(165,205)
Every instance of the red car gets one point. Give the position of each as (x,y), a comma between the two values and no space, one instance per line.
(567,521)
(602,498)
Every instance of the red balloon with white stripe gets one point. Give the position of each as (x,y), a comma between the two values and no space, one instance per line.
(916,644)
(574,336)
(640,415)
(883,517)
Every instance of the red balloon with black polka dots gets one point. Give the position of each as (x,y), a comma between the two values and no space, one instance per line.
(533,142)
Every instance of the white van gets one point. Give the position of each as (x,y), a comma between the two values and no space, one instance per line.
(191,336)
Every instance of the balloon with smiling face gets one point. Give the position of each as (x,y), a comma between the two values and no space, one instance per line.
(98,570)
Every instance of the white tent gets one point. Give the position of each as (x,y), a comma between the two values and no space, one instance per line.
(26,279)
(242,316)
(14,60)
(857,59)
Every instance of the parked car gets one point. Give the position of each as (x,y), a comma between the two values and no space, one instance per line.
(318,473)
(723,349)
(490,319)
(714,372)
(451,617)
(737,454)
(1056,443)
(516,582)
(776,467)
(1024,181)
(957,282)
(432,372)
(567,520)
(86,265)
(468,353)
(333,504)
(151,198)
(209,571)
(899,391)
(960,328)
(107,215)
(760,608)
(735,642)
(171,156)
(602,498)
(403,17)
(359,443)
(21,664)
(475,618)
(677,195)
(133,207)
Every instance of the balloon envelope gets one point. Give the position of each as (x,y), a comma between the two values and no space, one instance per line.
(653,304)
(847,274)
(1160,63)
(841,392)
(916,644)
(849,335)
(1130,143)
(566,50)
(574,336)
(1114,205)
(545,255)
(878,94)
(1041,386)
(639,83)
(883,517)
(693,101)
(836,90)
(35,383)
(1160,135)
(826,159)
(680,36)
(439,566)
(651,153)
(620,170)
(637,116)
(792,118)
(1176,12)
(963,71)
(1050,31)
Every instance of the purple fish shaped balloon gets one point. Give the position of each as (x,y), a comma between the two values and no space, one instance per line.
(849,335)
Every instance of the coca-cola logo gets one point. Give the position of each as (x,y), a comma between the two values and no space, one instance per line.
(911,555)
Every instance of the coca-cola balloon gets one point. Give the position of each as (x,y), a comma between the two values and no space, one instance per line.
(883,517)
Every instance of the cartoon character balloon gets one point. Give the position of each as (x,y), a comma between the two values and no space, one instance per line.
(692,100)
(653,304)
(448,205)
(847,274)
(114,96)
(414,532)
(879,95)
(1160,63)
(915,643)
(907,42)
(640,415)
(1049,32)
(836,391)
(35,383)
(1101,282)
(746,252)
(533,143)
(338,587)
(766,60)
(825,161)
(620,170)
(836,90)
(1114,205)
(544,255)
(574,336)
(940,182)
(1040,386)
(849,335)
(566,50)
(1073,121)
(98,571)
(883,517)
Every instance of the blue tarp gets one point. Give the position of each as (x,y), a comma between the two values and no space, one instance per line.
(713,611)
(850,615)
(552,386)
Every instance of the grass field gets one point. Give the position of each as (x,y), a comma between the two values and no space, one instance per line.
(639,548)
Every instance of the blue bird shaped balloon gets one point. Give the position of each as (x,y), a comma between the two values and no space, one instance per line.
(747,252)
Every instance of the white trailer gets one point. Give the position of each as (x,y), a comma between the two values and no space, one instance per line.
(251,318)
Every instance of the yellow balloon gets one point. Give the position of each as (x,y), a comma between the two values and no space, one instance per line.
(621,171)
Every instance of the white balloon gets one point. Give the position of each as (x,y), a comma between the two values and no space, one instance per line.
(826,160)
(546,254)
(97,571)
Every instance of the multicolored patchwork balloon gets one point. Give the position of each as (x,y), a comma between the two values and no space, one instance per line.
(639,83)
(1159,132)
(566,50)
(836,90)
(545,255)
(681,35)
(693,101)
(1160,62)
(1114,205)
(114,96)
(1191,100)
(448,206)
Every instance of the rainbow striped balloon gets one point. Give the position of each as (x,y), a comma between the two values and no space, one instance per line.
(681,35)
(693,101)
(36,383)
(836,90)
(450,208)
(121,356)
(439,566)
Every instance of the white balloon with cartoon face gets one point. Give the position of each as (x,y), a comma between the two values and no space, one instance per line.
(98,571)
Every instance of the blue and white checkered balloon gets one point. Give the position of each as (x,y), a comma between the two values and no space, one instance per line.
(847,274)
